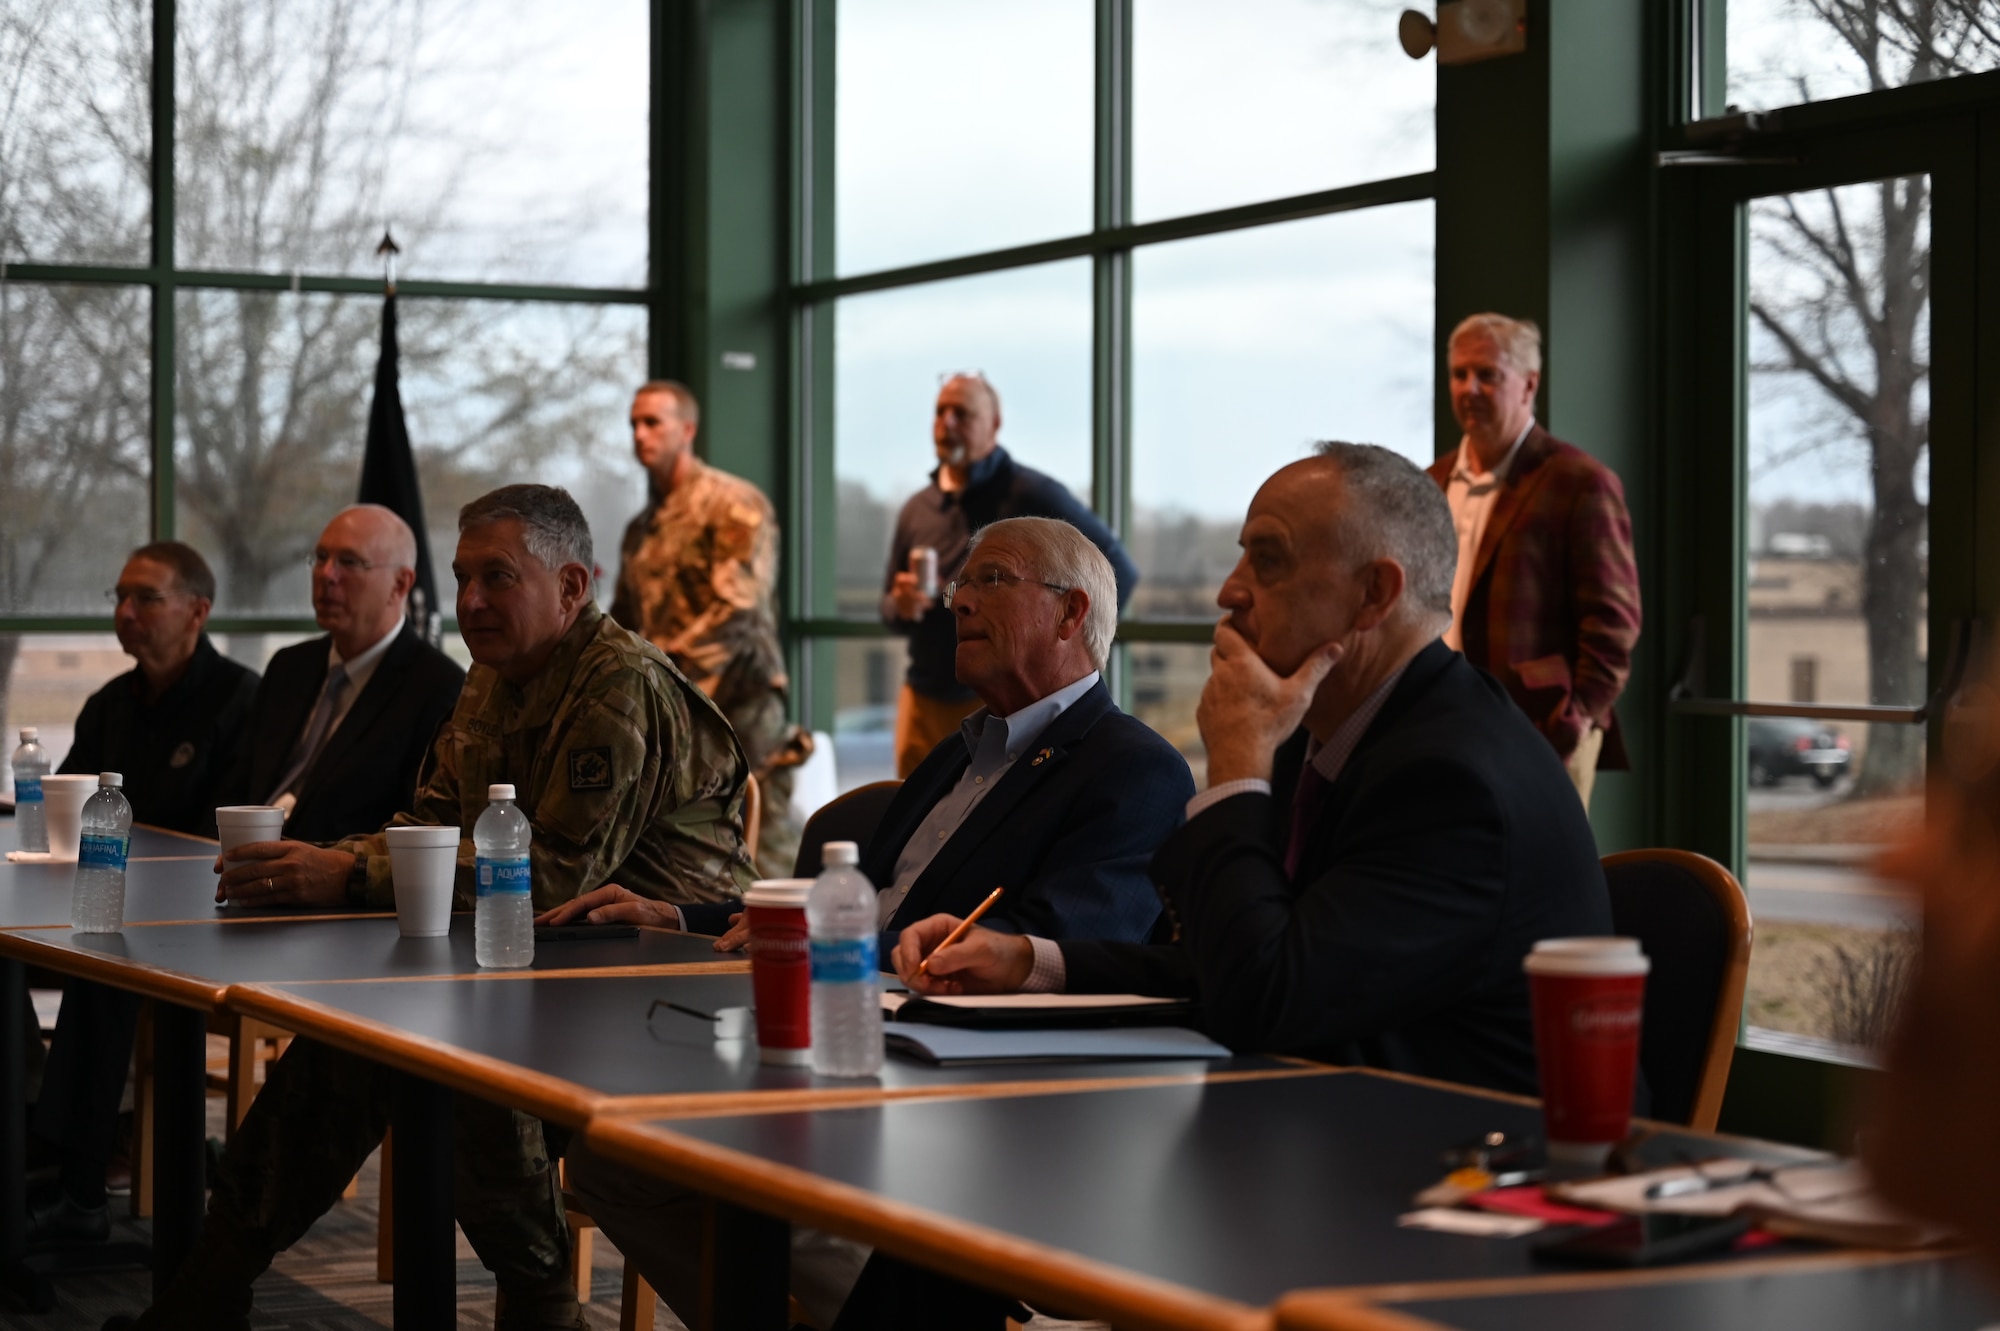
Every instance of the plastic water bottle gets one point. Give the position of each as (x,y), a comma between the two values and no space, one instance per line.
(98,904)
(846,980)
(503,916)
(31,764)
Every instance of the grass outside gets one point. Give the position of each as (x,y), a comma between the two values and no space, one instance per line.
(1830,981)
(1875,821)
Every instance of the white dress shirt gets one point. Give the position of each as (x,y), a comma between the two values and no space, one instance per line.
(1471,494)
(994,743)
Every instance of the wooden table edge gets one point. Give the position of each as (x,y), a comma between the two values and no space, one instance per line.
(656,969)
(1300,1309)
(437,1061)
(973,1252)
(142,978)
(687,1105)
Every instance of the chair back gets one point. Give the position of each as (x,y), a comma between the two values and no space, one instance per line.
(1693,921)
(850,817)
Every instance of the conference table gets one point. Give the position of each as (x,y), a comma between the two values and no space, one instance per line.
(1249,1192)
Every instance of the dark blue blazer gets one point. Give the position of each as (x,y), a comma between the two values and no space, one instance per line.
(1068,831)
(1452,841)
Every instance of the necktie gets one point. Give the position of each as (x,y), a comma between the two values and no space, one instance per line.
(1305,805)
(310,743)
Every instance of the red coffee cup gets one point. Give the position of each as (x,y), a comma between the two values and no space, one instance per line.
(1589,995)
(781,969)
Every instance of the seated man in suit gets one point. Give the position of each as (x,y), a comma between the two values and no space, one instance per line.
(1385,835)
(341,723)
(337,759)
(1049,791)
(657,801)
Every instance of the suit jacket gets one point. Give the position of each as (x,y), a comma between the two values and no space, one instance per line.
(1068,831)
(1451,842)
(367,770)
(1553,609)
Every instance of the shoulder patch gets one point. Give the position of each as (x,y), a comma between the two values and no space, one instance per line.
(590,769)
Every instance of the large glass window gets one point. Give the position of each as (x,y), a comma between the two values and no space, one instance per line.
(273,392)
(1246,348)
(1261,99)
(75,131)
(500,138)
(1837,521)
(960,127)
(74,451)
(1027,330)
(1783,52)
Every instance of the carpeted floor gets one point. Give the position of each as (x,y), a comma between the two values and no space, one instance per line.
(326,1283)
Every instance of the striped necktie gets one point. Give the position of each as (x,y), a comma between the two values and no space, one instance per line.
(316,730)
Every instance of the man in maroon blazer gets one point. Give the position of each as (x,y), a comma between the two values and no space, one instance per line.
(1547,592)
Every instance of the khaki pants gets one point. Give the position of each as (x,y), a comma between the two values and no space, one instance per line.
(1582,764)
(922,724)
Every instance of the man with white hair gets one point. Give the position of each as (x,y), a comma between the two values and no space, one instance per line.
(1048,790)
(1547,592)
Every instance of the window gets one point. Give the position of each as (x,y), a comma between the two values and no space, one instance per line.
(1160,374)
(959,127)
(1783,52)
(213,384)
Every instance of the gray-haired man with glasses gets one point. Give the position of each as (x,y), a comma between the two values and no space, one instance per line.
(976,482)
(172,725)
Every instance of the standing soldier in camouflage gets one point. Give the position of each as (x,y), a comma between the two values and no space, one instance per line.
(626,772)
(695,579)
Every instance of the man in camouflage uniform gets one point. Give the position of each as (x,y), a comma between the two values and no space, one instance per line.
(625,770)
(696,578)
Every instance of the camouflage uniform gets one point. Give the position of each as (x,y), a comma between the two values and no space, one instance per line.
(628,774)
(696,577)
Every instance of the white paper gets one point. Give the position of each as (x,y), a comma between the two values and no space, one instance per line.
(1478,1224)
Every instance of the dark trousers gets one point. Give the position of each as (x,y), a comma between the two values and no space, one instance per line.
(83,1082)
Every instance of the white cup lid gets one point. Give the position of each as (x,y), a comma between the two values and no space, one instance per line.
(422,837)
(1587,956)
(499,792)
(778,893)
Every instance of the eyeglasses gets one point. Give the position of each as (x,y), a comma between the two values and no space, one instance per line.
(346,561)
(143,597)
(990,580)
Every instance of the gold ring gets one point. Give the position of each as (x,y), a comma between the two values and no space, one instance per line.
(270,886)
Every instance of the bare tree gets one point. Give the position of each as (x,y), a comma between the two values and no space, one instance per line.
(1850,315)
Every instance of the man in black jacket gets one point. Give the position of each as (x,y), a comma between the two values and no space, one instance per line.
(975,483)
(343,722)
(172,726)
(1384,837)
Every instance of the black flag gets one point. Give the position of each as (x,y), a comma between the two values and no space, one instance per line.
(389,475)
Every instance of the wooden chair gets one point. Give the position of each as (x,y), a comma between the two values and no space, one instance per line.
(1693,921)
(252,1044)
(850,817)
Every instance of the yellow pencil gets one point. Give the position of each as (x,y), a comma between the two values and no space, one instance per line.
(923,967)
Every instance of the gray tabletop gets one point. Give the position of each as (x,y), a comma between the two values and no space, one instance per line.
(1241,1189)
(196,963)
(1922,1295)
(147,842)
(37,896)
(595,1032)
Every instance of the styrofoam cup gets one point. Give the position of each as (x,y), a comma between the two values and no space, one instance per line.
(422,863)
(240,824)
(63,798)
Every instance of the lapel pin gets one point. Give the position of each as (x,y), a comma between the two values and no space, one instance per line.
(1042,757)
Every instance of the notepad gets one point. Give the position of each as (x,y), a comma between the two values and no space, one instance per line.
(958,1045)
(1040,1011)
